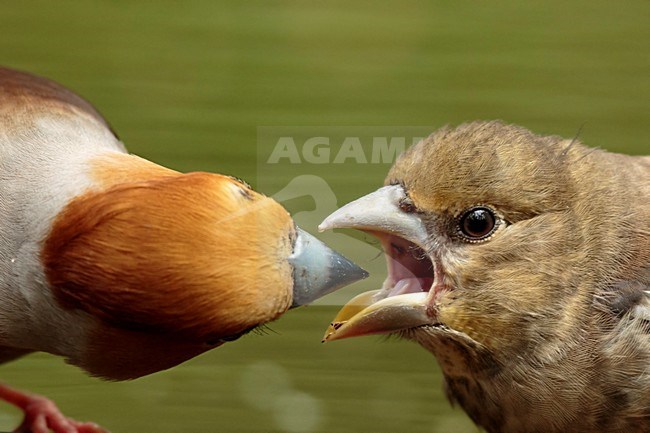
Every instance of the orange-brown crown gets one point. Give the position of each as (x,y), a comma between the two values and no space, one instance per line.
(196,255)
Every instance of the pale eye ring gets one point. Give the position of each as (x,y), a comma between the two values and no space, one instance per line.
(477,223)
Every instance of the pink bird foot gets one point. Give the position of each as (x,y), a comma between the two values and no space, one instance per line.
(43,416)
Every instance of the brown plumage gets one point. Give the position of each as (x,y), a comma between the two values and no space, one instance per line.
(522,262)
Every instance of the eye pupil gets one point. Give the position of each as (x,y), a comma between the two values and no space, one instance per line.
(478,223)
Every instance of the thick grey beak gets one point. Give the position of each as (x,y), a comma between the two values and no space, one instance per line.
(319,270)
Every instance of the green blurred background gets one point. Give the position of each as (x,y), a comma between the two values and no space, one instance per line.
(187,84)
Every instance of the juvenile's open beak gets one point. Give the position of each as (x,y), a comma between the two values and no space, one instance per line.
(364,315)
(319,270)
(379,211)
(402,302)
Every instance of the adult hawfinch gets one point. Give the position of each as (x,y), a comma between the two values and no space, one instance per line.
(125,267)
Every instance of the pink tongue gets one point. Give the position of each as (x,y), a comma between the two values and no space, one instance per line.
(407,285)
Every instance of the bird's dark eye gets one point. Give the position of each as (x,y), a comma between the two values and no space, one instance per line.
(477,223)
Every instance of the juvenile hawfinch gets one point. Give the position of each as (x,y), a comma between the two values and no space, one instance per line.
(522,262)
(125,267)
